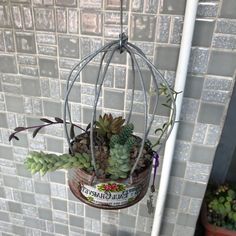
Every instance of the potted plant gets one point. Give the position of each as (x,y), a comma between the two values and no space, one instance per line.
(112,170)
(116,150)
(219,211)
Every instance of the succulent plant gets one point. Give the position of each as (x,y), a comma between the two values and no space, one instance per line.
(107,125)
(221,205)
(124,137)
(116,149)
(126,132)
(43,162)
(119,162)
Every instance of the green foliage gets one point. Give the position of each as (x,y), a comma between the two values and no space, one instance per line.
(170,96)
(115,139)
(120,147)
(119,162)
(45,162)
(124,137)
(107,125)
(130,142)
(126,132)
(221,204)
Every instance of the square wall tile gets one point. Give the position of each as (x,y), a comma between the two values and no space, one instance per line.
(60,205)
(91,23)
(114,99)
(193,189)
(58,177)
(8,64)
(127,220)
(226,26)
(228,9)
(15,207)
(178,168)
(14,103)
(202,154)
(68,46)
(3,120)
(215,63)
(18,230)
(109,229)
(185,131)
(211,113)
(186,219)
(44,19)
(90,73)
(4,216)
(42,188)
(203,32)
(52,109)
(143,27)
(193,87)
(45,214)
(76,221)
(31,87)
(28,198)
(172,201)
(173,7)
(166,58)
(55,145)
(48,67)
(25,42)
(167,229)
(198,60)
(61,229)
(92,213)
(146,77)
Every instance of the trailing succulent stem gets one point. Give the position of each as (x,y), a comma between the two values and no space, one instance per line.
(43,162)
(37,128)
(168,94)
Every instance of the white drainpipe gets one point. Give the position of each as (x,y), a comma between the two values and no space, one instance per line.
(185,49)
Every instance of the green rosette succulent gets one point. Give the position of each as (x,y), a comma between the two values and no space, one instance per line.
(119,162)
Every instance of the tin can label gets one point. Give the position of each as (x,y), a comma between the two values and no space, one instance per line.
(111,193)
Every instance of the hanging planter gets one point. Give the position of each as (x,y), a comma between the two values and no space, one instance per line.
(109,167)
(116,151)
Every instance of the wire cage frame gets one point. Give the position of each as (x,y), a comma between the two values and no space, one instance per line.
(107,53)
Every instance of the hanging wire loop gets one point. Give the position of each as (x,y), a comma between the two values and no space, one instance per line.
(123,42)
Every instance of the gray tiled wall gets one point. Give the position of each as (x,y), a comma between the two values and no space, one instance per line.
(40,40)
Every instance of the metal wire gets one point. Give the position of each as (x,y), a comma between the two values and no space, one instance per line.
(108,51)
(121,17)
(69,86)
